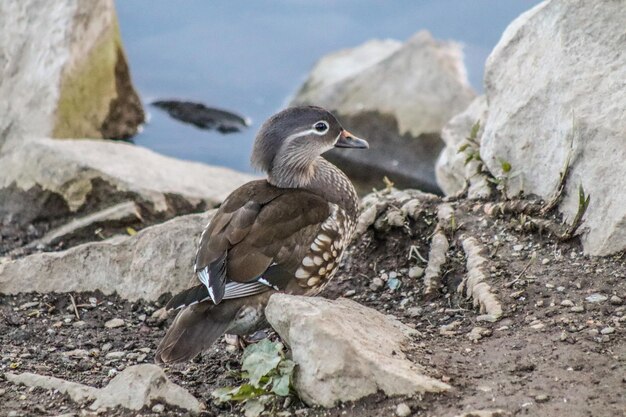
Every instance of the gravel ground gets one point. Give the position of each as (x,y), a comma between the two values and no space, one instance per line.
(559,349)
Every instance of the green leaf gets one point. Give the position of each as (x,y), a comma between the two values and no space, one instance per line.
(260,359)
(463,147)
(475,129)
(280,385)
(506,166)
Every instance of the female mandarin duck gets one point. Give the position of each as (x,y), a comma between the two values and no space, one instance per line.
(284,233)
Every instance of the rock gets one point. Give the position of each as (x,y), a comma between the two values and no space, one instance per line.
(156,260)
(453,169)
(398,97)
(542,398)
(203,117)
(547,99)
(608,330)
(91,175)
(134,388)
(113,323)
(416,272)
(615,300)
(403,410)
(486,413)
(125,213)
(77,392)
(596,298)
(366,345)
(567,303)
(64,73)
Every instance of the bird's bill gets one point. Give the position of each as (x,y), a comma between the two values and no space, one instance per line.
(348,140)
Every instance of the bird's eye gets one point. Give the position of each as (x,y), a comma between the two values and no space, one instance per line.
(321,127)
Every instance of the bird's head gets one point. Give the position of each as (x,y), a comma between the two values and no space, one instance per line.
(290,142)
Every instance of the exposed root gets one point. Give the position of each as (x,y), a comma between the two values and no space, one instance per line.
(512,207)
(438,250)
(436,259)
(475,284)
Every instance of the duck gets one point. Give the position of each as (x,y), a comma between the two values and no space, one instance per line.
(284,233)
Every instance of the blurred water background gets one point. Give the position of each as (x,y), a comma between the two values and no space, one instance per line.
(250,57)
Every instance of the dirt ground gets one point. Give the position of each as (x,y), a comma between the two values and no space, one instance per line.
(559,350)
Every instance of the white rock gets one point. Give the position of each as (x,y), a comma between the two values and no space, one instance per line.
(113,323)
(399,100)
(91,173)
(63,72)
(596,298)
(156,260)
(453,172)
(403,410)
(134,388)
(366,350)
(556,82)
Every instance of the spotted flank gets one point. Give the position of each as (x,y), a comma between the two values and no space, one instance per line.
(320,262)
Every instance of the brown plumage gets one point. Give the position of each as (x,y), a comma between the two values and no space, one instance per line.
(286,233)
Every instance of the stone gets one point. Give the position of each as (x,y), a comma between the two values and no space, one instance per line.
(486,413)
(398,98)
(91,175)
(134,388)
(367,350)
(615,300)
(403,410)
(63,72)
(157,260)
(608,330)
(549,102)
(454,170)
(416,272)
(113,323)
(596,298)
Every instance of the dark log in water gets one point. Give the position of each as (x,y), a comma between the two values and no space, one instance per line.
(203,117)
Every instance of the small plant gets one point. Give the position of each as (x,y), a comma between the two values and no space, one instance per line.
(471,148)
(583,204)
(266,373)
(502,181)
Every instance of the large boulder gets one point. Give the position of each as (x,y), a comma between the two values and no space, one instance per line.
(398,97)
(457,166)
(46,179)
(346,351)
(155,261)
(556,84)
(63,72)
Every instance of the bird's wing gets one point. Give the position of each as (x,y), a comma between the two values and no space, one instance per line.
(258,236)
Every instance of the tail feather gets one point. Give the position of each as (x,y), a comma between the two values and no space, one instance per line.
(194,329)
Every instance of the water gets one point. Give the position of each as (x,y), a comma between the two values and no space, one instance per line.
(250,57)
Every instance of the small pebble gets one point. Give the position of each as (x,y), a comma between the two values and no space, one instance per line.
(608,330)
(596,298)
(32,304)
(349,293)
(545,261)
(567,303)
(615,300)
(577,309)
(542,398)
(106,347)
(394,284)
(415,311)
(115,355)
(79,324)
(158,408)
(393,274)
(518,248)
(113,323)
(416,272)
(376,284)
(403,410)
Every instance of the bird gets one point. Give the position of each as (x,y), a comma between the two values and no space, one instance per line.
(284,233)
